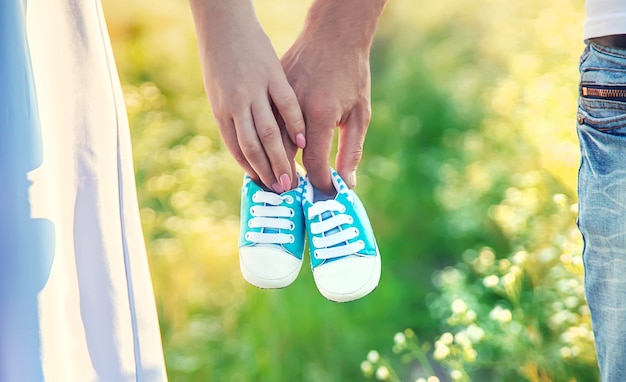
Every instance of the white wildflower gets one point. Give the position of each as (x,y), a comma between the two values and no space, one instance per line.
(462,339)
(560,200)
(565,352)
(486,256)
(501,315)
(366,368)
(470,354)
(504,265)
(520,257)
(470,316)
(441,351)
(446,338)
(382,373)
(491,281)
(400,339)
(373,356)
(456,375)
(508,280)
(459,306)
(475,332)
(506,316)
(571,302)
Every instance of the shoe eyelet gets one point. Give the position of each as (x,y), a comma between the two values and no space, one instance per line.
(291,212)
(292,239)
(315,255)
(362,243)
(343,209)
(350,220)
(247,236)
(292,226)
(252,211)
(288,199)
(250,223)
(356,230)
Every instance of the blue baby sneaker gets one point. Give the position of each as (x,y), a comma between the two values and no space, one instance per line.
(272,235)
(344,255)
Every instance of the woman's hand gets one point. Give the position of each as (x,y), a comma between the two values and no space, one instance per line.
(246,86)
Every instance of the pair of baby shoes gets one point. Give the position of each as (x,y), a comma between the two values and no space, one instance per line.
(344,256)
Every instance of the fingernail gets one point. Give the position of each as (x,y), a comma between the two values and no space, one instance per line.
(285,181)
(300,141)
(352,179)
(277,187)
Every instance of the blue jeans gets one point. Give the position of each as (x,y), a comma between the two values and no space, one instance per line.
(602,201)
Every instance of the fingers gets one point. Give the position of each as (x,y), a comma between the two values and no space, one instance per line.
(287,105)
(229,136)
(249,143)
(319,137)
(257,138)
(272,143)
(290,148)
(350,144)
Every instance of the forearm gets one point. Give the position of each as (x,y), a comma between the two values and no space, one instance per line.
(221,15)
(350,24)
(247,88)
(221,25)
(328,68)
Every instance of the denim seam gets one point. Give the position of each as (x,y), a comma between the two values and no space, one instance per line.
(605,104)
(615,52)
(600,69)
(584,56)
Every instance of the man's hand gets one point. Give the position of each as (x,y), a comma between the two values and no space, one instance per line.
(246,85)
(328,68)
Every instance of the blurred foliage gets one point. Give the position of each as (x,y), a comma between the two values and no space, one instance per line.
(471,151)
(517,317)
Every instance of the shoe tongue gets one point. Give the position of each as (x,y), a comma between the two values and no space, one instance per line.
(325,216)
(319,195)
(266,229)
(271,230)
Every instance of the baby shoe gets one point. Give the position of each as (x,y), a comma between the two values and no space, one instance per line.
(344,255)
(272,235)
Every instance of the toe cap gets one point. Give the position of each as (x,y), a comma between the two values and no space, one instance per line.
(268,266)
(348,279)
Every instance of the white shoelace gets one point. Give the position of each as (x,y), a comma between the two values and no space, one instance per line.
(270,218)
(334,241)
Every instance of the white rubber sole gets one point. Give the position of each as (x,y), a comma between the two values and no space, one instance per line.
(348,279)
(268,267)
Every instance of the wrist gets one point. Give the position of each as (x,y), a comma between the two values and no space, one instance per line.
(349,24)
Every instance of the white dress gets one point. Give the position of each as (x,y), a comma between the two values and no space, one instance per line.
(76,300)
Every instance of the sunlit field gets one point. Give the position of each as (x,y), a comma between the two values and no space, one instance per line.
(468,175)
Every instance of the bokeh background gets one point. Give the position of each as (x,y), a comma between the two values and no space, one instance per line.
(468,176)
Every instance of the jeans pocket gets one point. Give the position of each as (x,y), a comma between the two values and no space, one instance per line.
(602,102)
(606,116)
